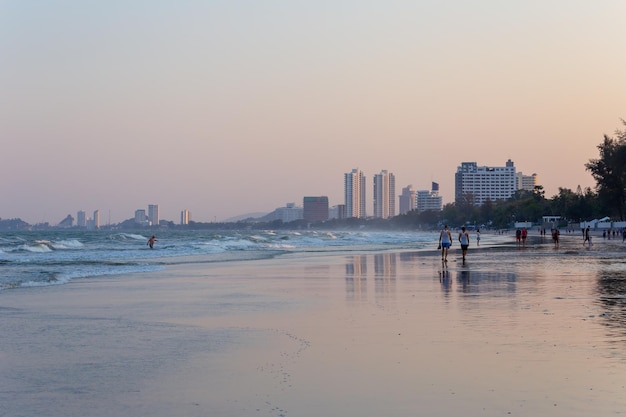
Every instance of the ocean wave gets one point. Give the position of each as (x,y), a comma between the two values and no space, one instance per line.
(54,257)
(67,244)
(127,236)
(39,246)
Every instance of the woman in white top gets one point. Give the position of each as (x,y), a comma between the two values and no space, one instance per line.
(445,241)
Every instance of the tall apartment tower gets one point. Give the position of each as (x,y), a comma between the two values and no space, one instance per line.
(354,193)
(81,219)
(153,214)
(407,199)
(384,195)
(96,219)
(484,183)
(184,217)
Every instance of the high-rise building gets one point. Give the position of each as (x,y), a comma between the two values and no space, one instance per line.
(184,217)
(429,200)
(337,212)
(407,199)
(354,193)
(384,195)
(81,219)
(140,216)
(526,182)
(153,214)
(483,183)
(315,209)
(96,219)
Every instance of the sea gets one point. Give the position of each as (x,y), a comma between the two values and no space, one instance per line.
(56,257)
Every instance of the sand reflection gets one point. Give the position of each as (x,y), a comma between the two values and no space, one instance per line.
(611,293)
(385,270)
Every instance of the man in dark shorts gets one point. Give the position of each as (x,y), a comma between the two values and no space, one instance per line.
(464,240)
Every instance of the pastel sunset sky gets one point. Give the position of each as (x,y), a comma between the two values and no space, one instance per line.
(230,107)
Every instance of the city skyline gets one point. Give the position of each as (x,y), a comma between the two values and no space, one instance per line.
(383,197)
(224,108)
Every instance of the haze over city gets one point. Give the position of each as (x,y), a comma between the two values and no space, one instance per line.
(224,108)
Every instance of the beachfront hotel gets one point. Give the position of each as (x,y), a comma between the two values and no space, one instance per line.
(526,182)
(426,200)
(384,195)
(354,193)
(482,183)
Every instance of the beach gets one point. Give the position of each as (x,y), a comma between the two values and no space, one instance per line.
(514,331)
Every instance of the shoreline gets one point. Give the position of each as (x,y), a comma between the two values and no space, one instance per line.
(357,333)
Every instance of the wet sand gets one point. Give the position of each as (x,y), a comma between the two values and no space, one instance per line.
(522,332)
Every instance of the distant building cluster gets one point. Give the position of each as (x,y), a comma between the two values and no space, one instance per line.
(152,218)
(82,221)
(474,184)
(142,218)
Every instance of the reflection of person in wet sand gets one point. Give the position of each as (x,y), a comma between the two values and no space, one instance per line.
(444,279)
(151,241)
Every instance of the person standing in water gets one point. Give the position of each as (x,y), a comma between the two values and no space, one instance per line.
(151,241)
(445,241)
(587,237)
(464,240)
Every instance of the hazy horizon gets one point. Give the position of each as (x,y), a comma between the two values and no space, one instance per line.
(225,108)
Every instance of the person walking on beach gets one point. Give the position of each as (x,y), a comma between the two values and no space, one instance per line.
(555,237)
(445,241)
(151,241)
(524,236)
(518,236)
(587,239)
(477,237)
(464,240)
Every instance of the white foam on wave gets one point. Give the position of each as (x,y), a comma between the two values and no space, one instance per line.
(58,281)
(67,244)
(40,246)
(240,244)
(134,236)
(128,236)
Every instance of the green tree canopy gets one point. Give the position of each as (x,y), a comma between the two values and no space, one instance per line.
(609,171)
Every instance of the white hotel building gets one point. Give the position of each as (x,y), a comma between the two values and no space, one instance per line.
(484,183)
(429,200)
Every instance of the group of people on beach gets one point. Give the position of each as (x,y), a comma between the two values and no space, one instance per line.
(445,241)
(520,236)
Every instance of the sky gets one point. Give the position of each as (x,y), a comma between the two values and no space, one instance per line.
(231,107)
